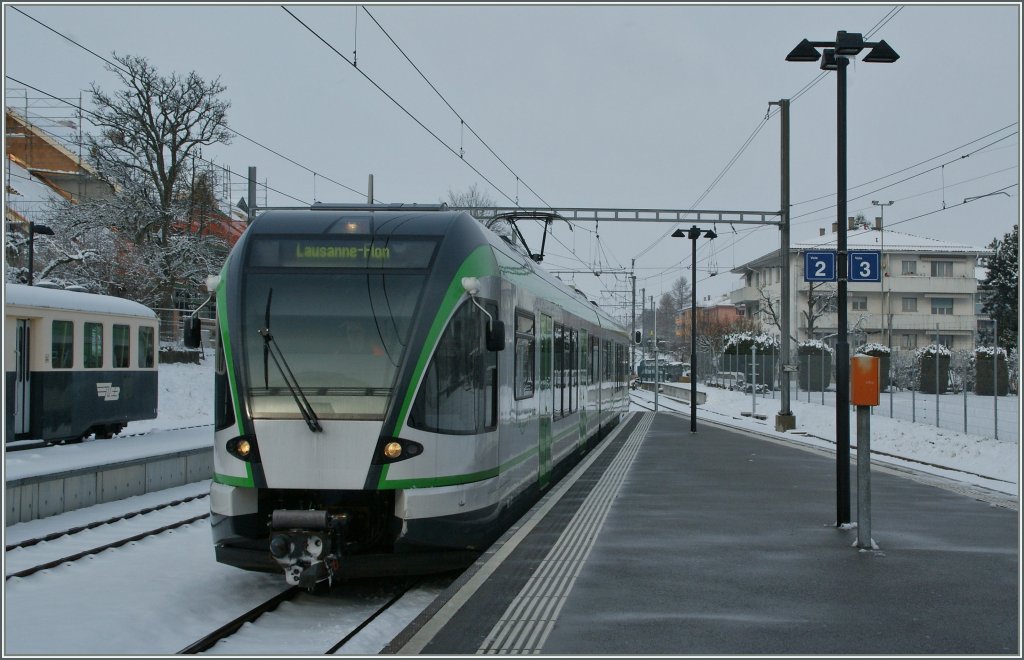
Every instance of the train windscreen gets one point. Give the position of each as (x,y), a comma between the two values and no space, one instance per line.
(339,315)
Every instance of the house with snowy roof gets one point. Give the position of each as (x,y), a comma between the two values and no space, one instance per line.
(928,293)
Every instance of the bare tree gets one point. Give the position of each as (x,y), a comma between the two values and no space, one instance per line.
(150,132)
(480,205)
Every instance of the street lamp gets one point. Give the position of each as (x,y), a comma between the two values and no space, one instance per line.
(693,233)
(835,57)
(34,229)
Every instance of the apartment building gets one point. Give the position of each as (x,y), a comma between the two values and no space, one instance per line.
(928,292)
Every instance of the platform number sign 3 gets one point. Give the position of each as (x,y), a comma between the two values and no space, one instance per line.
(820,266)
(865,266)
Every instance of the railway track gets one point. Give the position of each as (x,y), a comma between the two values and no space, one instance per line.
(315,609)
(68,536)
(23,445)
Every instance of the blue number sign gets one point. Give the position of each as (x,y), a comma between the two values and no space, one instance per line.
(820,266)
(865,266)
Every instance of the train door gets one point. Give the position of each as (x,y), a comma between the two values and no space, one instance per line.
(22,375)
(547,399)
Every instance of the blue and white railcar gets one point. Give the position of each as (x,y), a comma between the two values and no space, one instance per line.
(77,363)
(394,388)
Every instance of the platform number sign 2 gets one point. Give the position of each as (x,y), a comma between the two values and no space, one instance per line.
(865,266)
(820,266)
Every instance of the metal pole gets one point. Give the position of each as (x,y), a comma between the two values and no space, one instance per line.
(937,355)
(632,336)
(864,477)
(963,381)
(693,337)
(656,369)
(369,191)
(786,419)
(753,379)
(995,377)
(842,346)
(252,196)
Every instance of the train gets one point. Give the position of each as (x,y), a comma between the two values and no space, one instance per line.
(394,387)
(78,364)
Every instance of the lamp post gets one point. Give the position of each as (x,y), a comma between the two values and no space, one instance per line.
(34,229)
(693,233)
(835,57)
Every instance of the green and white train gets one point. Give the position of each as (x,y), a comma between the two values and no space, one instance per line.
(395,386)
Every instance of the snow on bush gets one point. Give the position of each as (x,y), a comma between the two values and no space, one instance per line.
(743,342)
(874,349)
(813,347)
(985,352)
(932,350)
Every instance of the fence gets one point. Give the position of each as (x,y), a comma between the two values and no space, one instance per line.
(958,397)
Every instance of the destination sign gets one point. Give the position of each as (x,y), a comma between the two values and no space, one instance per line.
(340,253)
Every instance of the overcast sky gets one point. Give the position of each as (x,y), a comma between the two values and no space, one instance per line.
(590,106)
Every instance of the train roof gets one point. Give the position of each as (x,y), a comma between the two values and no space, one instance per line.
(22,295)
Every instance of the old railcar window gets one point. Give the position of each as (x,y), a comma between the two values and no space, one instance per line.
(560,374)
(62,344)
(92,348)
(526,349)
(459,389)
(146,348)
(122,346)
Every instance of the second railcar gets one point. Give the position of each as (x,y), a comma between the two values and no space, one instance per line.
(77,363)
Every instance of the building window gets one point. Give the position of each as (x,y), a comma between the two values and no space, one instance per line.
(908,342)
(946,340)
(910,304)
(943,306)
(62,344)
(859,303)
(526,348)
(942,269)
(92,351)
(909,267)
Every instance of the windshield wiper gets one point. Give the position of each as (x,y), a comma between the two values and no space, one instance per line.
(271,348)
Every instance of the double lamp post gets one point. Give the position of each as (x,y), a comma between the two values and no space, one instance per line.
(836,57)
(693,233)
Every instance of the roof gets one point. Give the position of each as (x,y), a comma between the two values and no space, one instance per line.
(888,241)
(22,295)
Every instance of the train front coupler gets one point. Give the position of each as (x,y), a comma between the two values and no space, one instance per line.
(307,545)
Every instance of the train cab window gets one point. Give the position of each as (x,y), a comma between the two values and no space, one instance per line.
(526,350)
(122,346)
(146,348)
(92,345)
(62,344)
(459,391)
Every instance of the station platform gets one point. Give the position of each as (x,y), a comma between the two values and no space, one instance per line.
(725,543)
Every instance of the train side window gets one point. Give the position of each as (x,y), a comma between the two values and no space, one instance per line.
(62,344)
(573,340)
(459,391)
(525,360)
(559,371)
(146,348)
(92,345)
(122,346)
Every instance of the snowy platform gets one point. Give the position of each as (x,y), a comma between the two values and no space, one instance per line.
(725,543)
(50,480)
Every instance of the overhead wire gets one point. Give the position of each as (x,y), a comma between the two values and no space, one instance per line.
(226,127)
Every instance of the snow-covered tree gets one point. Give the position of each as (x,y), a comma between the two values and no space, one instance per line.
(1001,286)
(151,130)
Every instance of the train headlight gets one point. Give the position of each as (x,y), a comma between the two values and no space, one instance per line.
(392,450)
(243,448)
